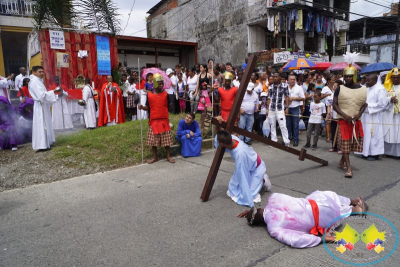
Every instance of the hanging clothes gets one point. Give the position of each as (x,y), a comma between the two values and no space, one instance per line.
(299,21)
(276,25)
(309,21)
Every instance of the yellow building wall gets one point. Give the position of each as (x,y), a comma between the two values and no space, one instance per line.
(36,60)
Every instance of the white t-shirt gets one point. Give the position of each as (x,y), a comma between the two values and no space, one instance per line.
(316,111)
(236,83)
(172,89)
(326,91)
(132,88)
(249,102)
(296,91)
(192,83)
(258,89)
(19,79)
(263,105)
(124,88)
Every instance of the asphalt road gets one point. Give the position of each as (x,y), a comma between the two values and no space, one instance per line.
(152,215)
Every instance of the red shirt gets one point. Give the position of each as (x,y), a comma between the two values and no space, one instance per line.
(25,92)
(227,98)
(158,104)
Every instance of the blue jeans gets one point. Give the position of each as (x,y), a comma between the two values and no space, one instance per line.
(246,122)
(292,123)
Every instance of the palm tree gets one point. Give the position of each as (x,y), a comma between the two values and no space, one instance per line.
(95,14)
(100,14)
(53,12)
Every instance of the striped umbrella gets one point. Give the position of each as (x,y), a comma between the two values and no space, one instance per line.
(298,64)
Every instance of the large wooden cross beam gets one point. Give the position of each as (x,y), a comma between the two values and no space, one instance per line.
(230,127)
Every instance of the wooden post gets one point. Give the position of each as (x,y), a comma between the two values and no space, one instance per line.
(219,154)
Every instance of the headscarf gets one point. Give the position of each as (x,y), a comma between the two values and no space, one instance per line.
(388,81)
(350,58)
(157,78)
(21,108)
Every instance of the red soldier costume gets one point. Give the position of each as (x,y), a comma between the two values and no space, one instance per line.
(159,133)
(227,98)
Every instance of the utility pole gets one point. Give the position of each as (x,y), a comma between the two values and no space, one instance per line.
(396,45)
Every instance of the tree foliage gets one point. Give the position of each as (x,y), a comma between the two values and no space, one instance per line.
(100,15)
(53,12)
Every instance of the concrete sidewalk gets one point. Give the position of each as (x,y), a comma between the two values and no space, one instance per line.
(152,214)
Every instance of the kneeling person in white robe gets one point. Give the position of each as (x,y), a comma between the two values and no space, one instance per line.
(42,127)
(249,176)
(61,116)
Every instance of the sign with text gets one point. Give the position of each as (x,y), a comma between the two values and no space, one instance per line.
(62,60)
(103,55)
(283,57)
(57,40)
(286,56)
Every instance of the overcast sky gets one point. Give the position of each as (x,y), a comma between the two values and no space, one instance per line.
(137,23)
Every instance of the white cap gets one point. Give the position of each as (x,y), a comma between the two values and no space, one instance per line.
(264,94)
(250,86)
(169,71)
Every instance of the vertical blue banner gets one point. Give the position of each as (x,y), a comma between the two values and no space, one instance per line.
(103,55)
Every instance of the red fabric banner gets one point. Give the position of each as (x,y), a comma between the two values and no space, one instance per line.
(86,66)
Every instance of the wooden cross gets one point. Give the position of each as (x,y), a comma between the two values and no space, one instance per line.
(230,127)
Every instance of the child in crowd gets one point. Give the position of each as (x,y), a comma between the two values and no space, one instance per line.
(130,101)
(181,93)
(263,111)
(204,100)
(317,109)
(148,86)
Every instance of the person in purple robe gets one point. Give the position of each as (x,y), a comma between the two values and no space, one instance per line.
(8,117)
(25,122)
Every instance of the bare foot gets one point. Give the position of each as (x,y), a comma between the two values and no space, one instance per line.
(342,166)
(171,160)
(354,201)
(151,161)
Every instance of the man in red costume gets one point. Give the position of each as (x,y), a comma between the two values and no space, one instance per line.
(159,133)
(111,111)
(227,94)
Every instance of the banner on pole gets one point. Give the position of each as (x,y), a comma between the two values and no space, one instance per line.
(103,55)
(57,40)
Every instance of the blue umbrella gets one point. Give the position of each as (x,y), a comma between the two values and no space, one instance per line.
(377,67)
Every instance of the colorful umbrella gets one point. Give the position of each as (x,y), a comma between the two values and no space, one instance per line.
(377,67)
(167,80)
(298,64)
(341,66)
(322,66)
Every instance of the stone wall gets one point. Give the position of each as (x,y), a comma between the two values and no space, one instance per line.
(218,26)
